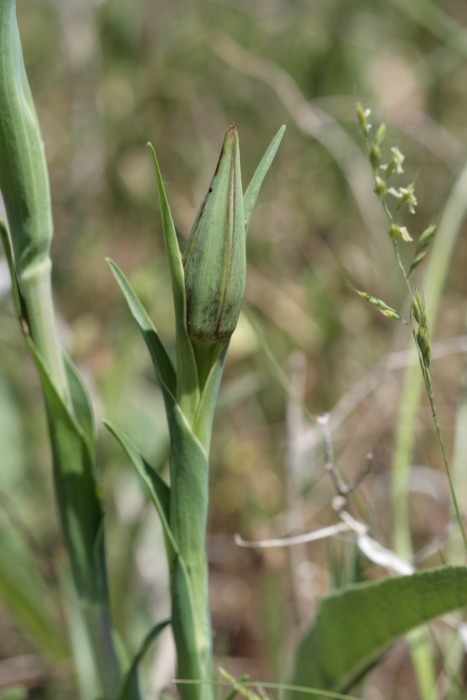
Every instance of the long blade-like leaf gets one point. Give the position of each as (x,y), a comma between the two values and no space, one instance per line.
(156,486)
(131,689)
(160,358)
(187,382)
(78,493)
(354,627)
(81,406)
(20,304)
(254,187)
(27,598)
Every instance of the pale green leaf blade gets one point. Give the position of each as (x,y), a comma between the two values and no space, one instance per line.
(27,599)
(208,398)
(254,187)
(355,626)
(187,372)
(170,236)
(81,406)
(130,689)
(186,630)
(156,486)
(160,358)
(18,299)
(78,493)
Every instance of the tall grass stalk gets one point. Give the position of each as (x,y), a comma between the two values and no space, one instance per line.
(420,321)
(25,188)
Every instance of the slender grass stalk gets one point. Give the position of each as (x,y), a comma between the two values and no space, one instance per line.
(405,196)
(25,188)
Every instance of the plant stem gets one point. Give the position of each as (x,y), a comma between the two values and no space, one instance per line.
(37,290)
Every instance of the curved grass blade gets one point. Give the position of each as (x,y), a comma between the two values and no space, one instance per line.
(26,596)
(20,304)
(78,493)
(81,406)
(163,366)
(156,486)
(131,689)
(355,626)
(252,191)
(189,635)
(187,373)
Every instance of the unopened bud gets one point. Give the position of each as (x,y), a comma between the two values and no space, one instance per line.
(215,259)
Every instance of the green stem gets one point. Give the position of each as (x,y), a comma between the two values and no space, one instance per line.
(446,463)
(188,516)
(37,291)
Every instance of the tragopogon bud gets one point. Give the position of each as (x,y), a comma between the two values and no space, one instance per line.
(215,259)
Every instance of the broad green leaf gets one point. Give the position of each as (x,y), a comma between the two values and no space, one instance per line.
(252,191)
(78,494)
(355,626)
(162,363)
(156,486)
(130,689)
(187,373)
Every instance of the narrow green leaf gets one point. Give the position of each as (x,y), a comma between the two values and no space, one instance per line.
(208,399)
(18,298)
(78,492)
(187,374)
(163,366)
(156,486)
(27,597)
(254,187)
(189,489)
(355,626)
(81,405)
(188,634)
(131,689)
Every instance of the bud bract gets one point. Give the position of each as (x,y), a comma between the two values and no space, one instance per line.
(215,259)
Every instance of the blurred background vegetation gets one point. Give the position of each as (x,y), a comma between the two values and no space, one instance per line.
(109,75)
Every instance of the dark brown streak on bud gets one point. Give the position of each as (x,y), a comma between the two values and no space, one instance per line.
(230,232)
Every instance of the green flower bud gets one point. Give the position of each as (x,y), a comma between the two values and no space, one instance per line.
(215,259)
(24,180)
